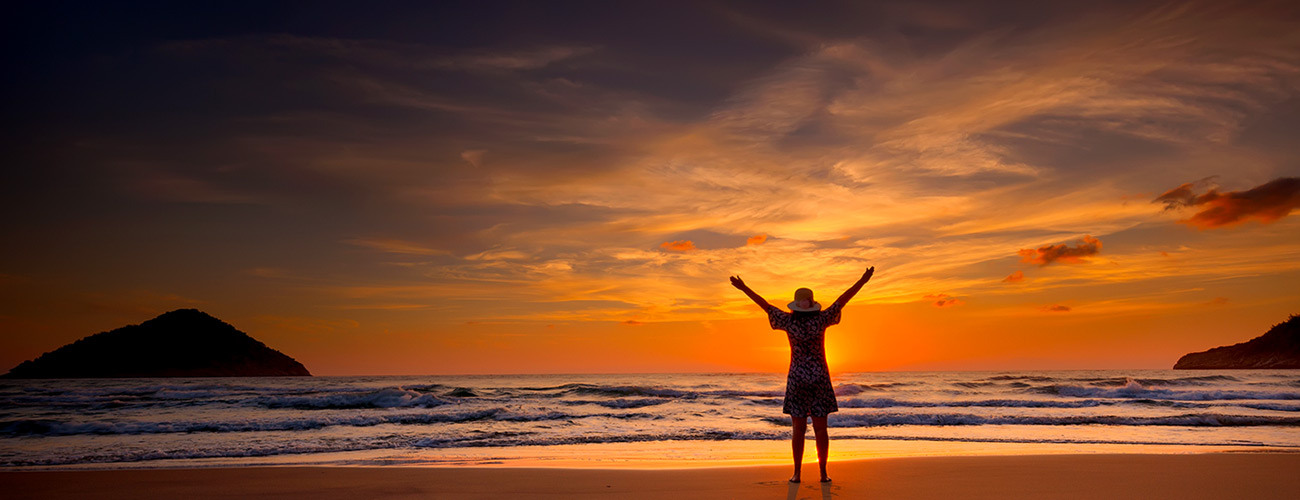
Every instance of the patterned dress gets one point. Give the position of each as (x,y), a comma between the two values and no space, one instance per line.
(808,390)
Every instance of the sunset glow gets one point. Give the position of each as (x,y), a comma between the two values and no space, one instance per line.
(468,191)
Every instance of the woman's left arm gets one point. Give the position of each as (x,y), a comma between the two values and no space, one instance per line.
(853,290)
(740,285)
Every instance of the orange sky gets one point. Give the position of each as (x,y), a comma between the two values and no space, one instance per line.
(486,192)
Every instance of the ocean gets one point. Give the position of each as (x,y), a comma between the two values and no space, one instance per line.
(664,419)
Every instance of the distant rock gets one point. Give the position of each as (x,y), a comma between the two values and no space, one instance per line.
(181,343)
(1278,348)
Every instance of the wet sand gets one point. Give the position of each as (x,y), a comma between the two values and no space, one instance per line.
(1217,475)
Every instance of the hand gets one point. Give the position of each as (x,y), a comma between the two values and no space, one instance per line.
(737,282)
(866,276)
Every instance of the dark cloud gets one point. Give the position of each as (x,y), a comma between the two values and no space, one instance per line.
(1015,277)
(1184,195)
(1057,308)
(1266,203)
(1062,253)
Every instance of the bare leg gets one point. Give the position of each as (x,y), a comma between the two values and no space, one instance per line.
(823,444)
(799,428)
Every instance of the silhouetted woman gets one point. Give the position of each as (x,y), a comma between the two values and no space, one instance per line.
(808,390)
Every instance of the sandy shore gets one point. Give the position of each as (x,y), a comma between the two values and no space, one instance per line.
(1230,475)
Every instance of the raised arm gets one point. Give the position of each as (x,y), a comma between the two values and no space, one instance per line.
(853,290)
(740,285)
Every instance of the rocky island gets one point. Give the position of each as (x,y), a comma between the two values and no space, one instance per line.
(1279,348)
(180,343)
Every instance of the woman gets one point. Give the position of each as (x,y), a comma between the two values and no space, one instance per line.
(808,390)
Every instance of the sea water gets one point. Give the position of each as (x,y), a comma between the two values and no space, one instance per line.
(127,423)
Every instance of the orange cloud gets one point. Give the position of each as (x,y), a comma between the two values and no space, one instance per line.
(756,240)
(678,245)
(1057,308)
(945,300)
(1266,203)
(1066,254)
(1015,277)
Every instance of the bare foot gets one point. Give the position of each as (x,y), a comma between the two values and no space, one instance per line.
(826,479)
(794,478)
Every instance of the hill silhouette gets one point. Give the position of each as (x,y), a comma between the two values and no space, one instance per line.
(180,343)
(1277,348)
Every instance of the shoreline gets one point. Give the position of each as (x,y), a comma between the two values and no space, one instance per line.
(1184,476)
(657,455)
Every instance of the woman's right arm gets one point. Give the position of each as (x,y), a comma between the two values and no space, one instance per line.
(740,285)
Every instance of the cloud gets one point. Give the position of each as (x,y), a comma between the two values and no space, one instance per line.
(175,187)
(945,300)
(514,61)
(1057,308)
(1218,301)
(386,54)
(299,324)
(958,151)
(678,245)
(632,322)
(383,307)
(473,156)
(1184,195)
(1062,253)
(390,245)
(1266,203)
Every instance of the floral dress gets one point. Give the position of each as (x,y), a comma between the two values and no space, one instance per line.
(808,390)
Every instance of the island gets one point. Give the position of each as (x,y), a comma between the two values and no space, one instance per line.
(1279,348)
(180,343)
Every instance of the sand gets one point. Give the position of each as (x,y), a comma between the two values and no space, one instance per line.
(1219,475)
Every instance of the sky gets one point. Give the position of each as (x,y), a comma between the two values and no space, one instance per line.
(565,187)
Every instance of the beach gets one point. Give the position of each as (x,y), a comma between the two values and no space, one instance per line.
(1188,476)
(1031,434)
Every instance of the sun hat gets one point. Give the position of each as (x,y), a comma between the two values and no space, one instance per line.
(800,294)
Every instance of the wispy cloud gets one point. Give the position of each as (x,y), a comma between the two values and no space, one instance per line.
(376,53)
(853,140)
(391,245)
(945,300)
(593,181)
(527,59)
(159,183)
(473,156)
